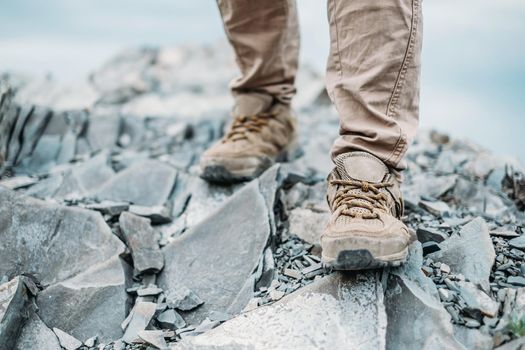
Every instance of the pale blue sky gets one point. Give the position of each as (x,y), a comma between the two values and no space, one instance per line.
(473,79)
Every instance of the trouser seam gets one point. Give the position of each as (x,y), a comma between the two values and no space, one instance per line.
(401,143)
(338,53)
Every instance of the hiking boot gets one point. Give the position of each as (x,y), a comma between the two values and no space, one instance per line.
(253,143)
(365,230)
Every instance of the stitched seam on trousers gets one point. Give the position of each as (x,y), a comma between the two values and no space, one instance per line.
(400,82)
(337,41)
(285,37)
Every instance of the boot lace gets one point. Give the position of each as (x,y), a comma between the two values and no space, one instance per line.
(243,125)
(371,197)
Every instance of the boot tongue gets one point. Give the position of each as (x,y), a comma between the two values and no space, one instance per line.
(361,166)
(252,104)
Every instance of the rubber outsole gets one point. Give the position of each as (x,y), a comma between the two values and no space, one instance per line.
(362,259)
(219,174)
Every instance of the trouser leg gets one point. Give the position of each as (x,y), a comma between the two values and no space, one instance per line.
(373,75)
(265,38)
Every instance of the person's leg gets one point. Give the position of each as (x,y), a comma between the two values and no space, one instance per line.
(265,38)
(373,81)
(373,75)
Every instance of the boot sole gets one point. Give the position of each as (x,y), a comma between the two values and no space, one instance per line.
(219,174)
(362,259)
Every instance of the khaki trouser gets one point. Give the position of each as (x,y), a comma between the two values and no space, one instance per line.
(372,72)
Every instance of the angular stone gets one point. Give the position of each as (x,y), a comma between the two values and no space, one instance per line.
(437,208)
(307,224)
(109,208)
(470,253)
(35,330)
(171,319)
(157,214)
(340,311)
(518,242)
(103,130)
(147,183)
(408,304)
(516,280)
(67,341)
(430,235)
(14,302)
(473,339)
(44,155)
(477,299)
(155,338)
(217,257)
(17,182)
(183,298)
(91,303)
(141,316)
(52,242)
(141,240)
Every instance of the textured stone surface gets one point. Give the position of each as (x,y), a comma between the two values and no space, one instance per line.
(36,332)
(470,253)
(50,241)
(142,241)
(92,303)
(217,257)
(336,312)
(147,183)
(416,320)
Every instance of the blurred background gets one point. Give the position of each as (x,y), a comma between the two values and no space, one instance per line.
(473,79)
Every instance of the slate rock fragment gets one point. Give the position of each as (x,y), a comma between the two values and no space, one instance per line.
(35,330)
(147,183)
(67,341)
(91,303)
(183,298)
(470,253)
(340,311)
(216,258)
(141,240)
(15,300)
(153,337)
(171,319)
(44,239)
(140,317)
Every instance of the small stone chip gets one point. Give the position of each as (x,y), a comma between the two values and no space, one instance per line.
(67,341)
(276,294)
(149,291)
(155,338)
(183,299)
(171,319)
(292,273)
(444,268)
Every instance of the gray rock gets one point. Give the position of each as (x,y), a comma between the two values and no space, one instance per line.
(15,299)
(470,253)
(91,342)
(32,130)
(518,242)
(171,319)
(35,330)
(429,323)
(141,240)
(67,341)
(307,224)
(17,182)
(92,303)
(140,317)
(44,155)
(147,183)
(103,130)
(43,239)
(109,208)
(477,299)
(430,235)
(155,338)
(516,280)
(183,298)
(436,208)
(158,214)
(338,311)
(218,256)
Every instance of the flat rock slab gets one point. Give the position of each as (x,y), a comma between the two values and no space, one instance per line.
(91,303)
(340,311)
(14,301)
(416,320)
(470,253)
(36,330)
(142,241)
(148,183)
(50,241)
(216,258)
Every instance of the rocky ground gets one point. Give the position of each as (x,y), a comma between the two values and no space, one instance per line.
(110,240)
